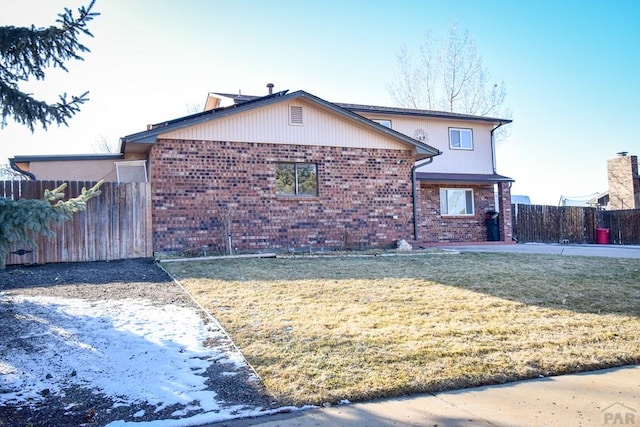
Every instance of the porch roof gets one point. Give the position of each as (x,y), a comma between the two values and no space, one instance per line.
(462,178)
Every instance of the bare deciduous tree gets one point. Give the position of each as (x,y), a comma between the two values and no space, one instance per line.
(103,144)
(449,76)
(8,174)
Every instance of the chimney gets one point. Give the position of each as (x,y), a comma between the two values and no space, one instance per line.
(624,183)
(270,87)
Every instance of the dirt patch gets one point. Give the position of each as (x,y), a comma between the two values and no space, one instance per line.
(99,281)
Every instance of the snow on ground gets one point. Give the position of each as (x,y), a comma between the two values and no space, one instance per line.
(130,350)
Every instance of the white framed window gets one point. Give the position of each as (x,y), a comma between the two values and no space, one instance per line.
(132,171)
(383,122)
(460,139)
(296,179)
(456,201)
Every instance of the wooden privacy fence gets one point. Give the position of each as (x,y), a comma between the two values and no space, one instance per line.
(571,224)
(116,224)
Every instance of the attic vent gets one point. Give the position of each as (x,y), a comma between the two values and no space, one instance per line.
(132,171)
(295,115)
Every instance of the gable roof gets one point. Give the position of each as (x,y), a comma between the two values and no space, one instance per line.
(150,135)
(239,99)
(421,113)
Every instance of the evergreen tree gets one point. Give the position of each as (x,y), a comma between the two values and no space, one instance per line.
(26,52)
(21,220)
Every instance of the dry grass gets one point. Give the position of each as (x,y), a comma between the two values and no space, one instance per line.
(327,329)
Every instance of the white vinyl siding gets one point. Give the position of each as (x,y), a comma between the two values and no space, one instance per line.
(456,201)
(435,132)
(270,125)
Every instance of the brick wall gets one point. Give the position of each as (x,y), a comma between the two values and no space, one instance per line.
(435,228)
(624,183)
(506,215)
(203,191)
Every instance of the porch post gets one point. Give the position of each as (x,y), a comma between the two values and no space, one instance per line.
(504,207)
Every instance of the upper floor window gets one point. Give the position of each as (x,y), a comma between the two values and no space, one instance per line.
(296,179)
(456,201)
(460,139)
(383,122)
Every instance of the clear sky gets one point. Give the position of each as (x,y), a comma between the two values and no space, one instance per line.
(571,68)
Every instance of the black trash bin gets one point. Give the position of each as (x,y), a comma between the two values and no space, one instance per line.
(493,228)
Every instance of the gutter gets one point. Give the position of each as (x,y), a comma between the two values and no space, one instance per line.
(15,167)
(415,195)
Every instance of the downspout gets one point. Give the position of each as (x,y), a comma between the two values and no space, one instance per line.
(415,195)
(498,194)
(493,146)
(16,168)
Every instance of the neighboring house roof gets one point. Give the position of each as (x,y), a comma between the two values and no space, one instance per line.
(151,134)
(462,178)
(601,199)
(66,157)
(581,201)
(421,113)
(520,200)
(237,97)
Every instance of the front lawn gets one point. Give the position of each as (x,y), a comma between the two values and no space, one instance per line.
(325,329)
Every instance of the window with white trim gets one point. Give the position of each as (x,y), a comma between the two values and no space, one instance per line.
(383,122)
(296,179)
(131,171)
(460,139)
(456,201)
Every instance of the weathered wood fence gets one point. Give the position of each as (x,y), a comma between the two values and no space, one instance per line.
(571,224)
(116,224)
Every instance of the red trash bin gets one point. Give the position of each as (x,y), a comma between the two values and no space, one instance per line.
(602,236)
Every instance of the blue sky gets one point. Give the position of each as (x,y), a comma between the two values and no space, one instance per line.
(571,68)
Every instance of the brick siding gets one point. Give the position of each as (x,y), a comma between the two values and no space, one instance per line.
(435,228)
(506,215)
(204,190)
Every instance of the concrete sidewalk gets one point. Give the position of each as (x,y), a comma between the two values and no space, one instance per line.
(606,397)
(613,251)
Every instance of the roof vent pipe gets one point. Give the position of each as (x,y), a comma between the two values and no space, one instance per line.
(270,87)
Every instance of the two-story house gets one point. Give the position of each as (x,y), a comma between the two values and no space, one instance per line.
(291,171)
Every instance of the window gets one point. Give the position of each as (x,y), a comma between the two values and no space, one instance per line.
(296,179)
(456,201)
(131,171)
(460,139)
(385,123)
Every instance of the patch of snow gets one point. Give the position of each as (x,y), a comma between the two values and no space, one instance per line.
(129,350)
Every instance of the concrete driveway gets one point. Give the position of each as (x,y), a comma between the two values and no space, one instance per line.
(613,251)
